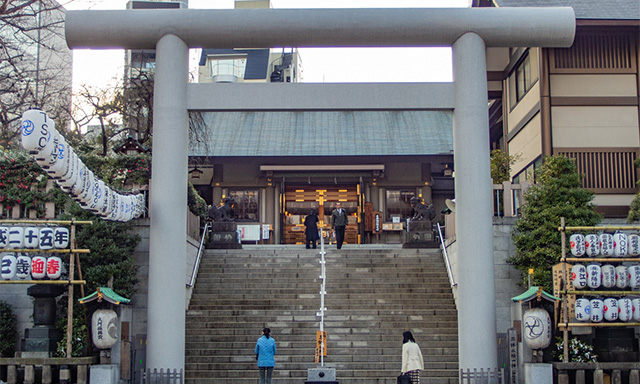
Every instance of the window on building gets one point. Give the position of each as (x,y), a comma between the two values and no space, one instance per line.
(228,66)
(399,203)
(247,206)
(521,80)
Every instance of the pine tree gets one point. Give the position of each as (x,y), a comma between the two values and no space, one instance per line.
(556,194)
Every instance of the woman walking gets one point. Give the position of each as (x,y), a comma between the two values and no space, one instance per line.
(412,361)
(265,351)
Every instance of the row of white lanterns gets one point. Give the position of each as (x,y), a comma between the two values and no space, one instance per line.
(44,238)
(57,158)
(619,244)
(22,266)
(594,276)
(610,309)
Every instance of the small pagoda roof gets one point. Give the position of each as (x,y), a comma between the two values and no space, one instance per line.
(534,293)
(131,144)
(107,294)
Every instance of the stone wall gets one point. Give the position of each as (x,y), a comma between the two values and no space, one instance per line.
(507,278)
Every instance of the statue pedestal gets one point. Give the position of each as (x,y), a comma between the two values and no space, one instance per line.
(420,235)
(224,235)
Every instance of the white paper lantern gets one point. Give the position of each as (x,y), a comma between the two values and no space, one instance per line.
(23,267)
(36,130)
(78,187)
(592,245)
(106,208)
(4,237)
(579,276)
(625,309)
(16,238)
(610,309)
(70,177)
(608,276)
(622,276)
(606,244)
(87,195)
(594,276)
(597,310)
(46,238)
(537,328)
(8,268)
(31,237)
(54,267)
(583,310)
(59,167)
(636,309)
(112,214)
(577,244)
(61,238)
(634,277)
(620,244)
(634,244)
(38,267)
(48,156)
(97,200)
(104,328)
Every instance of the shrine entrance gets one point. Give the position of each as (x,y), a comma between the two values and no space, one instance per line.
(298,201)
(469,32)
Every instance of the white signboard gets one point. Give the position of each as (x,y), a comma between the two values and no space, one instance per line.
(250,232)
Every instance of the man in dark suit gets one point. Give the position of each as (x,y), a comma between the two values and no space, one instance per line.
(339,222)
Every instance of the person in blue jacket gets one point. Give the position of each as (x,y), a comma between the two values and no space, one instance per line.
(265,351)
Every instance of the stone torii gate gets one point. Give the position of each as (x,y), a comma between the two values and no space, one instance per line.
(172,32)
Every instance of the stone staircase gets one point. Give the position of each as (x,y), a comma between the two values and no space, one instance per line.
(373,295)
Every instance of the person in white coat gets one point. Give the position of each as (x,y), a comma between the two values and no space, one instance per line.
(412,361)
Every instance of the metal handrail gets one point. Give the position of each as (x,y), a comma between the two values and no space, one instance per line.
(196,265)
(445,256)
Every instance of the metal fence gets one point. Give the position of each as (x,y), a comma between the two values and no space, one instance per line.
(162,377)
(489,376)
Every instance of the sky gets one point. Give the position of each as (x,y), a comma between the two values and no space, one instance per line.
(101,68)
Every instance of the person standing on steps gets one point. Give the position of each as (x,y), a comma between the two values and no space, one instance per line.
(311,230)
(265,354)
(412,361)
(339,221)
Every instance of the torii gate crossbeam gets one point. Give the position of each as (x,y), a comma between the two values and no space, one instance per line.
(469,31)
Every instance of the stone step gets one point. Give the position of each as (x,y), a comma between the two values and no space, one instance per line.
(362,376)
(372,297)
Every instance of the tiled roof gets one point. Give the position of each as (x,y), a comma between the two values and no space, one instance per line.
(585,9)
(323,133)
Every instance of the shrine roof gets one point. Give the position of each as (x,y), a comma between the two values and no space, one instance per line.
(104,293)
(323,133)
(534,293)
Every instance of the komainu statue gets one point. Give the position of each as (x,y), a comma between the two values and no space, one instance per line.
(422,212)
(222,213)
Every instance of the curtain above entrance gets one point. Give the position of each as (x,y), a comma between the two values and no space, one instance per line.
(321,133)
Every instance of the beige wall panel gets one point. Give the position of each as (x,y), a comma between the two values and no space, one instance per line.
(613,200)
(593,85)
(527,144)
(524,106)
(595,127)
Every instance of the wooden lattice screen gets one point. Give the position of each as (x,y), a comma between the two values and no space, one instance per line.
(604,170)
(596,53)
